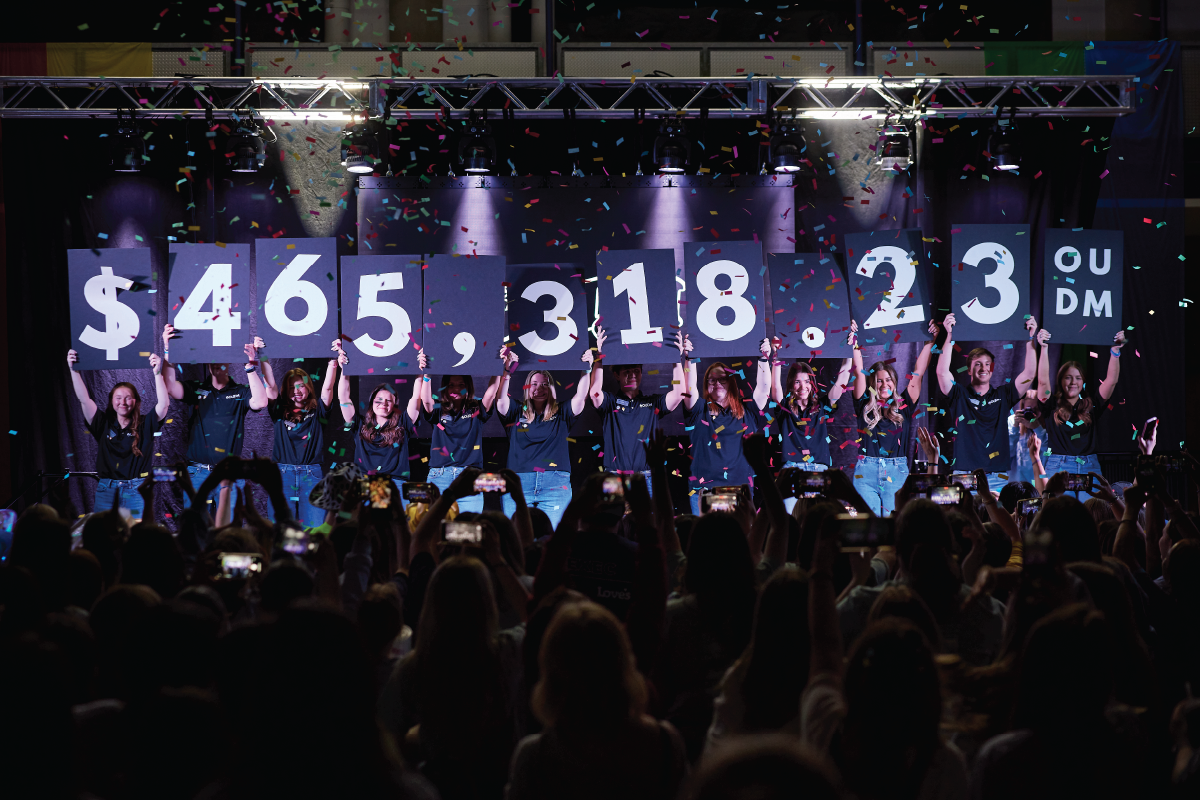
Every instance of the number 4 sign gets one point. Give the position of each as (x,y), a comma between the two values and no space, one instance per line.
(888,291)
(209,291)
(297,293)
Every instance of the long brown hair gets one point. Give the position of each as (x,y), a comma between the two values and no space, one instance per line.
(468,388)
(789,397)
(734,395)
(874,412)
(389,430)
(135,420)
(1063,409)
(289,411)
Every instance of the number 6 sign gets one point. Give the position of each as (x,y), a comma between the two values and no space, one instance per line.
(381,297)
(990,281)
(297,295)
(887,286)
(724,293)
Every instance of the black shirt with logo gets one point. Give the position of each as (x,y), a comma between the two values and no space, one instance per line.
(627,424)
(541,444)
(887,439)
(717,456)
(299,441)
(377,456)
(981,423)
(217,425)
(804,435)
(458,436)
(114,452)
(603,566)
(1073,437)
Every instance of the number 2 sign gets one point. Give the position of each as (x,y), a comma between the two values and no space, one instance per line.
(297,293)
(724,293)
(888,291)
(989,281)
(209,302)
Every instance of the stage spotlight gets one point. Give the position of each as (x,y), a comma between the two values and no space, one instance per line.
(894,147)
(786,150)
(1003,147)
(476,148)
(672,148)
(128,147)
(360,147)
(247,152)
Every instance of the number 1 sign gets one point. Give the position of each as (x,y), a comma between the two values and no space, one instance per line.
(297,290)
(636,305)
(209,291)
(990,281)
(888,286)
(724,293)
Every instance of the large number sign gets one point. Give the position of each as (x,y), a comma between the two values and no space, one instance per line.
(547,315)
(297,295)
(463,317)
(1084,276)
(990,281)
(888,291)
(112,307)
(381,304)
(724,298)
(209,302)
(636,303)
(812,309)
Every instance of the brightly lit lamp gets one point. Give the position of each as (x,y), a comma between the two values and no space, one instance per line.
(1003,147)
(477,148)
(672,148)
(360,146)
(786,149)
(247,152)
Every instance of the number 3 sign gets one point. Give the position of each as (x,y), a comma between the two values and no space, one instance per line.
(724,293)
(547,316)
(990,281)
(297,295)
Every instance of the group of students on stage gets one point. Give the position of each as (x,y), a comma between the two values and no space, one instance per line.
(716,417)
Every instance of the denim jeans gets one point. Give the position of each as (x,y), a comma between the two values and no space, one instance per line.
(550,491)
(804,466)
(442,477)
(1072,465)
(298,483)
(878,480)
(108,488)
(995,480)
(198,473)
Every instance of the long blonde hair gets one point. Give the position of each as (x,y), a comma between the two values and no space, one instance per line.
(551,404)
(874,412)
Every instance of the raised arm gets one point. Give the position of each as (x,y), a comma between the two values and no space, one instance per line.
(596,382)
(489,394)
(258,391)
(326,385)
(174,387)
(762,384)
(1044,389)
(944,376)
(691,379)
(841,381)
(343,383)
(1024,381)
(913,389)
(508,365)
(162,398)
(860,377)
(268,374)
(679,377)
(585,381)
(416,401)
(86,403)
(1109,384)
(755,449)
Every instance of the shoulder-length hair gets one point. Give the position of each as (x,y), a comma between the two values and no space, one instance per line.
(589,679)
(284,400)
(135,419)
(469,388)
(388,430)
(875,411)
(551,404)
(732,392)
(1063,409)
(790,401)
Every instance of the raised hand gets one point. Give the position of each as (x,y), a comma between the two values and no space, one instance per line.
(1035,445)
(930,447)
(656,449)
(422,359)
(602,337)
(155,363)
(1043,337)
(72,359)
(948,322)
(587,357)
(1031,326)
(765,348)
(1102,489)
(167,335)
(1119,340)
(251,354)
(259,344)
(934,329)
(464,484)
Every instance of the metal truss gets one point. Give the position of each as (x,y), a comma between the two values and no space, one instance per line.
(606,98)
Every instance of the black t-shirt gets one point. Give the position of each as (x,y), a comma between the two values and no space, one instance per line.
(628,423)
(805,434)
(717,443)
(458,438)
(981,422)
(217,425)
(1072,438)
(538,444)
(376,456)
(114,452)
(602,566)
(887,439)
(300,442)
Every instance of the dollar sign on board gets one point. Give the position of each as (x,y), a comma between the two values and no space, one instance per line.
(121,323)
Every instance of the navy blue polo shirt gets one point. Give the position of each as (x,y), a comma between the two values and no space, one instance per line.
(981,422)
(458,437)
(114,445)
(717,457)
(1073,437)
(887,439)
(627,423)
(804,435)
(541,444)
(298,441)
(216,428)
(379,457)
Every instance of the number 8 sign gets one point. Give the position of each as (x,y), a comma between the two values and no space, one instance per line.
(297,295)
(888,287)
(724,293)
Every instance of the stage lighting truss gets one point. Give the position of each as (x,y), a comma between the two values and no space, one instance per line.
(335,101)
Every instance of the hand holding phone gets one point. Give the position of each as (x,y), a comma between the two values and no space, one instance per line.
(858,532)
(239,566)
(966,479)
(490,482)
(419,492)
(712,501)
(164,474)
(945,495)
(379,491)
(1079,483)
(468,533)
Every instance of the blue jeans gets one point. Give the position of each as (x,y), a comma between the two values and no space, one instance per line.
(804,466)
(1072,465)
(878,480)
(550,491)
(298,483)
(442,477)
(108,488)
(198,473)
(996,480)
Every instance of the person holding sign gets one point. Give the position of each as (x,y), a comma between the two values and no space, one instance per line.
(382,431)
(717,420)
(630,417)
(1069,415)
(884,424)
(124,436)
(537,435)
(457,431)
(299,416)
(219,405)
(979,412)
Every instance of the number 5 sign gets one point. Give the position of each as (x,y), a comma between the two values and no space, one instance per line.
(990,282)
(209,295)
(724,293)
(381,296)
(888,290)
(297,295)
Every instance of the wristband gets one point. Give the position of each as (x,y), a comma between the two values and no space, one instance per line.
(250,369)
(762,360)
(1116,352)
